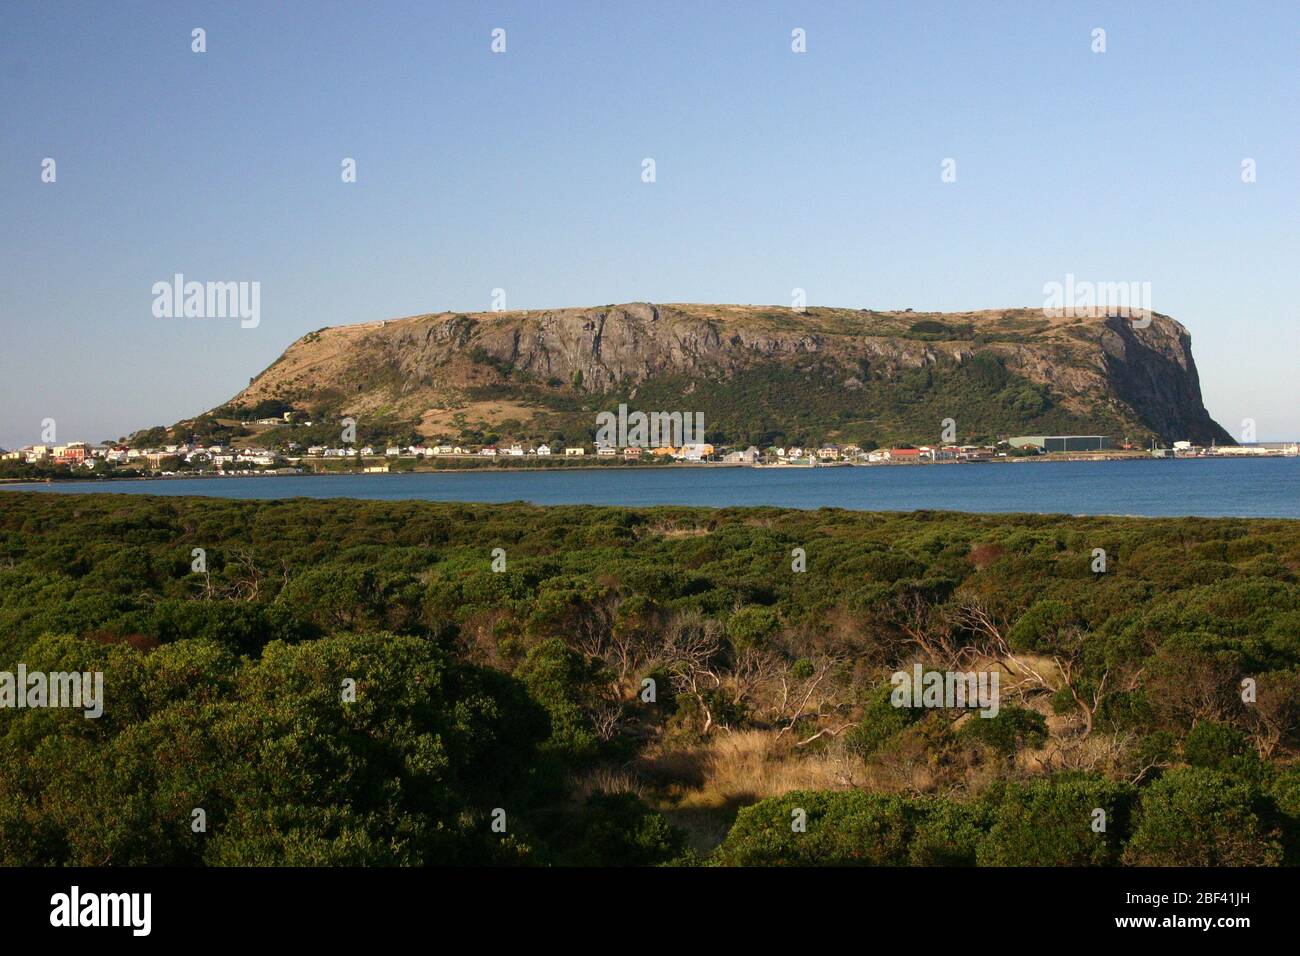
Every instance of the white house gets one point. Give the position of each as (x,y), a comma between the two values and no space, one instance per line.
(697,452)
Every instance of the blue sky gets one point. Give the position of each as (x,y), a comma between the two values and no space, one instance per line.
(522,171)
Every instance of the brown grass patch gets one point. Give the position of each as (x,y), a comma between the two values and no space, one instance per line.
(740,768)
(983,555)
(441,420)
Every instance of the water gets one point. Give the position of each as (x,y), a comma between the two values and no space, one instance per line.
(1208,487)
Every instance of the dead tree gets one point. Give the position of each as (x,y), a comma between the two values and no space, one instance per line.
(1273,715)
(689,652)
(813,698)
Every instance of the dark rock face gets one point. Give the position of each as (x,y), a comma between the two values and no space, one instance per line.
(1152,370)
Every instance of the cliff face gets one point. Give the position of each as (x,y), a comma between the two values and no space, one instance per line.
(754,371)
(1153,371)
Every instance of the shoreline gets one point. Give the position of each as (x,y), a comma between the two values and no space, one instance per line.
(676,466)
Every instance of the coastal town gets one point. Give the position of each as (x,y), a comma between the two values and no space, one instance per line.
(122,459)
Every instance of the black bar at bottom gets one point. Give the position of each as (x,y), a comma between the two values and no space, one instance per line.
(585,906)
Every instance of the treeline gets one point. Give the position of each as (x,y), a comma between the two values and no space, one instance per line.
(334,681)
(1191,816)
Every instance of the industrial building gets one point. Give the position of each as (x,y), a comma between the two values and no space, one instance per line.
(1063,442)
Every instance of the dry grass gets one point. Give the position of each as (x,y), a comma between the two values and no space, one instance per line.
(736,769)
(700,785)
(671,529)
(607,780)
(1097,753)
(435,421)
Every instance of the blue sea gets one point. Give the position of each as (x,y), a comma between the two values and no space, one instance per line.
(1267,487)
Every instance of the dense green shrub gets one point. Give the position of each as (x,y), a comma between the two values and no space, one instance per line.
(1284,790)
(618,829)
(1199,817)
(287,768)
(567,685)
(1038,628)
(750,626)
(1054,821)
(881,722)
(1213,745)
(1006,733)
(852,828)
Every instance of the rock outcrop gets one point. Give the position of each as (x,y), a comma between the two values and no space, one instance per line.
(756,371)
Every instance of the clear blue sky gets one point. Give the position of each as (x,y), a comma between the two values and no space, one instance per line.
(523,171)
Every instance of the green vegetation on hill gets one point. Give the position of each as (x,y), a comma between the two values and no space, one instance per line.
(814,402)
(644,686)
